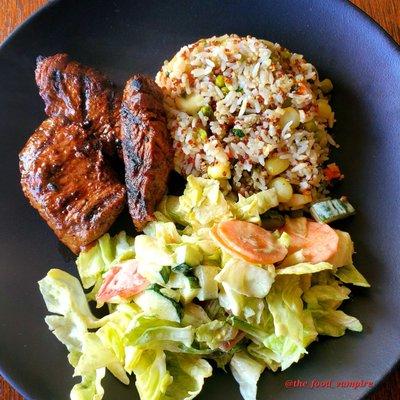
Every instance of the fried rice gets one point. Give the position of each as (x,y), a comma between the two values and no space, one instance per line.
(233,103)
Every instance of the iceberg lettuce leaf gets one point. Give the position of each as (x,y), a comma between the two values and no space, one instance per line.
(98,259)
(334,322)
(247,279)
(95,355)
(150,332)
(286,306)
(326,296)
(344,253)
(165,232)
(250,208)
(152,377)
(304,268)
(202,203)
(244,307)
(90,386)
(246,371)
(63,294)
(350,274)
(214,333)
(188,373)
(69,330)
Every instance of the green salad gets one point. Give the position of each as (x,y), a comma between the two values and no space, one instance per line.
(203,285)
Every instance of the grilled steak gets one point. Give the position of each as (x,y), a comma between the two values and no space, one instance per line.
(65,178)
(81,94)
(146,146)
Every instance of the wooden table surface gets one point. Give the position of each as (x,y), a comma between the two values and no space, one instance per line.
(385,12)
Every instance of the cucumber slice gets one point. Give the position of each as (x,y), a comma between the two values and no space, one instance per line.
(171,293)
(194,315)
(193,282)
(165,273)
(176,281)
(187,293)
(182,268)
(187,271)
(187,284)
(153,302)
(330,210)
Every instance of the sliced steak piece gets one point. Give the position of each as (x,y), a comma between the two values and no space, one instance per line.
(64,176)
(146,146)
(81,94)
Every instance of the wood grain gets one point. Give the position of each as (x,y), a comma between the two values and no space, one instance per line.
(13,12)
(385,12)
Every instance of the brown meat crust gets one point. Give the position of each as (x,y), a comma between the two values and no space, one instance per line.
(147,147)
(81,94)
(64,176)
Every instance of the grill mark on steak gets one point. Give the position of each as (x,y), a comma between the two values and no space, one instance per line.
(63,171)
(84,89)
(98,208)
(56,79)
(82,95)
(65,177)
(147,147)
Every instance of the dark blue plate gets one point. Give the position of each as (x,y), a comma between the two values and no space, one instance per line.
(121,37)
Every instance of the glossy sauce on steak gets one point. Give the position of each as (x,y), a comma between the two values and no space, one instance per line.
(64,176)
(81,94)
(147,147)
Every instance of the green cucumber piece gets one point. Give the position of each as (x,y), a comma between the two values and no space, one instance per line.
(193,282)
(330,210)
(165,273)
(153,302)
(182,268)
(187,271)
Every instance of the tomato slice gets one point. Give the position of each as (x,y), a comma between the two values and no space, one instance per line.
(122,280)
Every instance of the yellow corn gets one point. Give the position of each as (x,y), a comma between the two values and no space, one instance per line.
(220,170)
(324,109)
(299,200)
(190,104)
(283,189)
(276,165)
(290,114)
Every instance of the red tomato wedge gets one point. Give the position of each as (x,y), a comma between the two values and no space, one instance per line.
(249,242)
(319,244)
(122,280)
(226,346)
